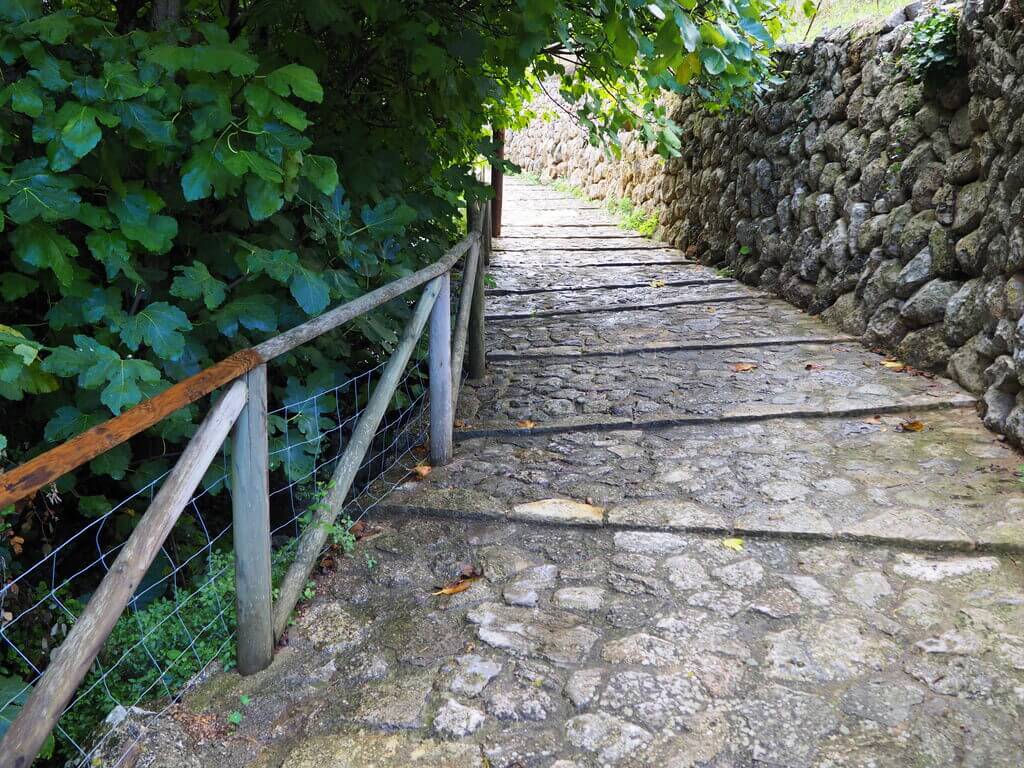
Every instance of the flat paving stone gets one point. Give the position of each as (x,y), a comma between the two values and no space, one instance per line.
(572,257)
(778,679)
(951,485)
(524,279)
(612,299)
(649,386)
(577,244)
(594,332)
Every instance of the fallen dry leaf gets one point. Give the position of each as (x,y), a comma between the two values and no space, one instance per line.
(911,426)
(422,470)
(742,367)
(657,283)
(526,423)
(457,586)
(894,365)
(459,424)
(736,545)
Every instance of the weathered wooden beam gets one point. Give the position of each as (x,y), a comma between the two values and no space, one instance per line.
(477,350)
(328,321)
(314,537)
(250,503)
(439,361)
(498,182)
(462,319)
(72,660)
(26,479)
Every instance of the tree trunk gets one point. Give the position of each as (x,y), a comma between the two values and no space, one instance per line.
(165,13)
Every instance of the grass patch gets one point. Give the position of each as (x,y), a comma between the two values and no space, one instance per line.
(836,13)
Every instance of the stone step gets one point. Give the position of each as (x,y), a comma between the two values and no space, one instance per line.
(666,386)
(536,244)
(950,486)
(530,279)
(549,303)
(526,232)
(665,346)
(586,258)
(703,323)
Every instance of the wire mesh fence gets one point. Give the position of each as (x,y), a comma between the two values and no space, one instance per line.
(180,621)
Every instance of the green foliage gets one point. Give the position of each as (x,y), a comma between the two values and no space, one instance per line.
(932,52)
(164,644)
(13,695)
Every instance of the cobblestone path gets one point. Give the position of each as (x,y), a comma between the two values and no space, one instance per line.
(711,530)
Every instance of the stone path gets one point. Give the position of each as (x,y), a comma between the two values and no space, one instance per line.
(709,534)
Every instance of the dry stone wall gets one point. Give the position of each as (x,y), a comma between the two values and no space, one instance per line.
(894,209)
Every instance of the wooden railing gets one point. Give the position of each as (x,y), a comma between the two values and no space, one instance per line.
(241,412)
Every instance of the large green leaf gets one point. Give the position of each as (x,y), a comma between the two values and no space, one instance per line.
(26,97)
(311,292)
(263,198)
(34,192)
(255,313)
(40,245)
(196,282)
(111,250)
(136,211)
(321,171)
(160,326)
(297,79)
(99,367)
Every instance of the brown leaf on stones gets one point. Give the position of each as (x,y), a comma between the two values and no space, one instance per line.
(459,424)
(911,426)
(742,367)
(362,531)
(526,423)
(657,283)
(422,470)
(457,586)
(894,365)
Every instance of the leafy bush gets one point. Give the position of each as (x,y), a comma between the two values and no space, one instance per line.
(932,52)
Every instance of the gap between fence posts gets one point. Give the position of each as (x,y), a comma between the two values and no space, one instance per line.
(72,660)
(250,504)
(314,537)
(442,415)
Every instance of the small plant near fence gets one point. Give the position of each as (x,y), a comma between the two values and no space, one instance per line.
(932,54)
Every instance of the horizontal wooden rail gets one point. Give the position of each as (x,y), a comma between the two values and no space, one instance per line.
(27,478)
(70,663)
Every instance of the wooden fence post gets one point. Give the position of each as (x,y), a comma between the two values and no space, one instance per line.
(477,351)
(498,182)
(442,417)
(250,500)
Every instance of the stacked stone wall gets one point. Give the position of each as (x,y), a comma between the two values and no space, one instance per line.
(893,208)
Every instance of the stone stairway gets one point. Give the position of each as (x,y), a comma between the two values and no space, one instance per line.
(705,530)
